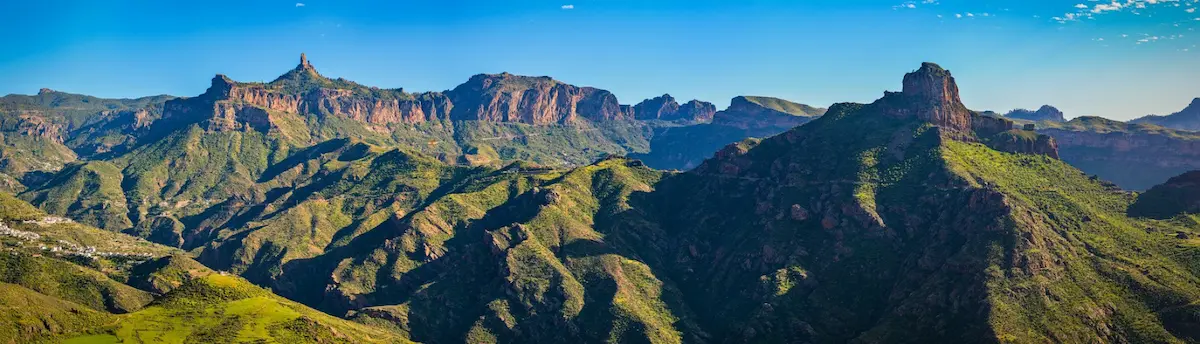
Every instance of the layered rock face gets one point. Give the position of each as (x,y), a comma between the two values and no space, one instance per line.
(666,108)
(1045,113)
(1136,157)
(533,100)
(494,98)
(1187,119)
(337,102)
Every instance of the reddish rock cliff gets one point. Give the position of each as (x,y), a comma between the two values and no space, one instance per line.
(497,98)
(698,111)
(661,107)
(534,100)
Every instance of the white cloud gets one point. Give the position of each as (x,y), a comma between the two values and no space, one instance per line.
(299,4)
(1135,7)
(568,7)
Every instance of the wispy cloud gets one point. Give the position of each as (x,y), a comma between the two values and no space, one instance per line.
(568,7)
(1136,7)
(299,4)
(913,4)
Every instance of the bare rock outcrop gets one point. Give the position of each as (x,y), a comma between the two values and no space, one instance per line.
(533,100)
(930,94)
(666,108)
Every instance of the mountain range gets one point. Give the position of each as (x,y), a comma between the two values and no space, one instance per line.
(1187,119)
(311,209)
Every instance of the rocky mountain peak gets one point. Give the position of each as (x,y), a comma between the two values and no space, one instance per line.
(931,94)
(1194,107)
(303,73)
(220,87)
(932,83)
(305,65)
(665,107)
(45,91)
(661,107)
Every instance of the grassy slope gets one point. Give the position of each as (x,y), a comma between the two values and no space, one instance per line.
(1103,125)
(500,256)
(75,300)
(1084,271)
(32,317)
(786,106)
(219,308)
(90,192)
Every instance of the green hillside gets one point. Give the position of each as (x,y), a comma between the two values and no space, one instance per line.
(31,317)
(65,282)
(785,106)
(910,219)
(226,309)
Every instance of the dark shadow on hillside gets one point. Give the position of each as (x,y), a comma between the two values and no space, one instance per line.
(301,157)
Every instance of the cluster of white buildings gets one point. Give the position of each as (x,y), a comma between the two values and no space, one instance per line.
(64,247)
(5,230)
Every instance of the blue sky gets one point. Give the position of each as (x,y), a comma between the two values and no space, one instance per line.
(1119,59)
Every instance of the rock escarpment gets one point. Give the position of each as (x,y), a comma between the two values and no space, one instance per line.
(533,100)
(1134,156)
(230,105)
